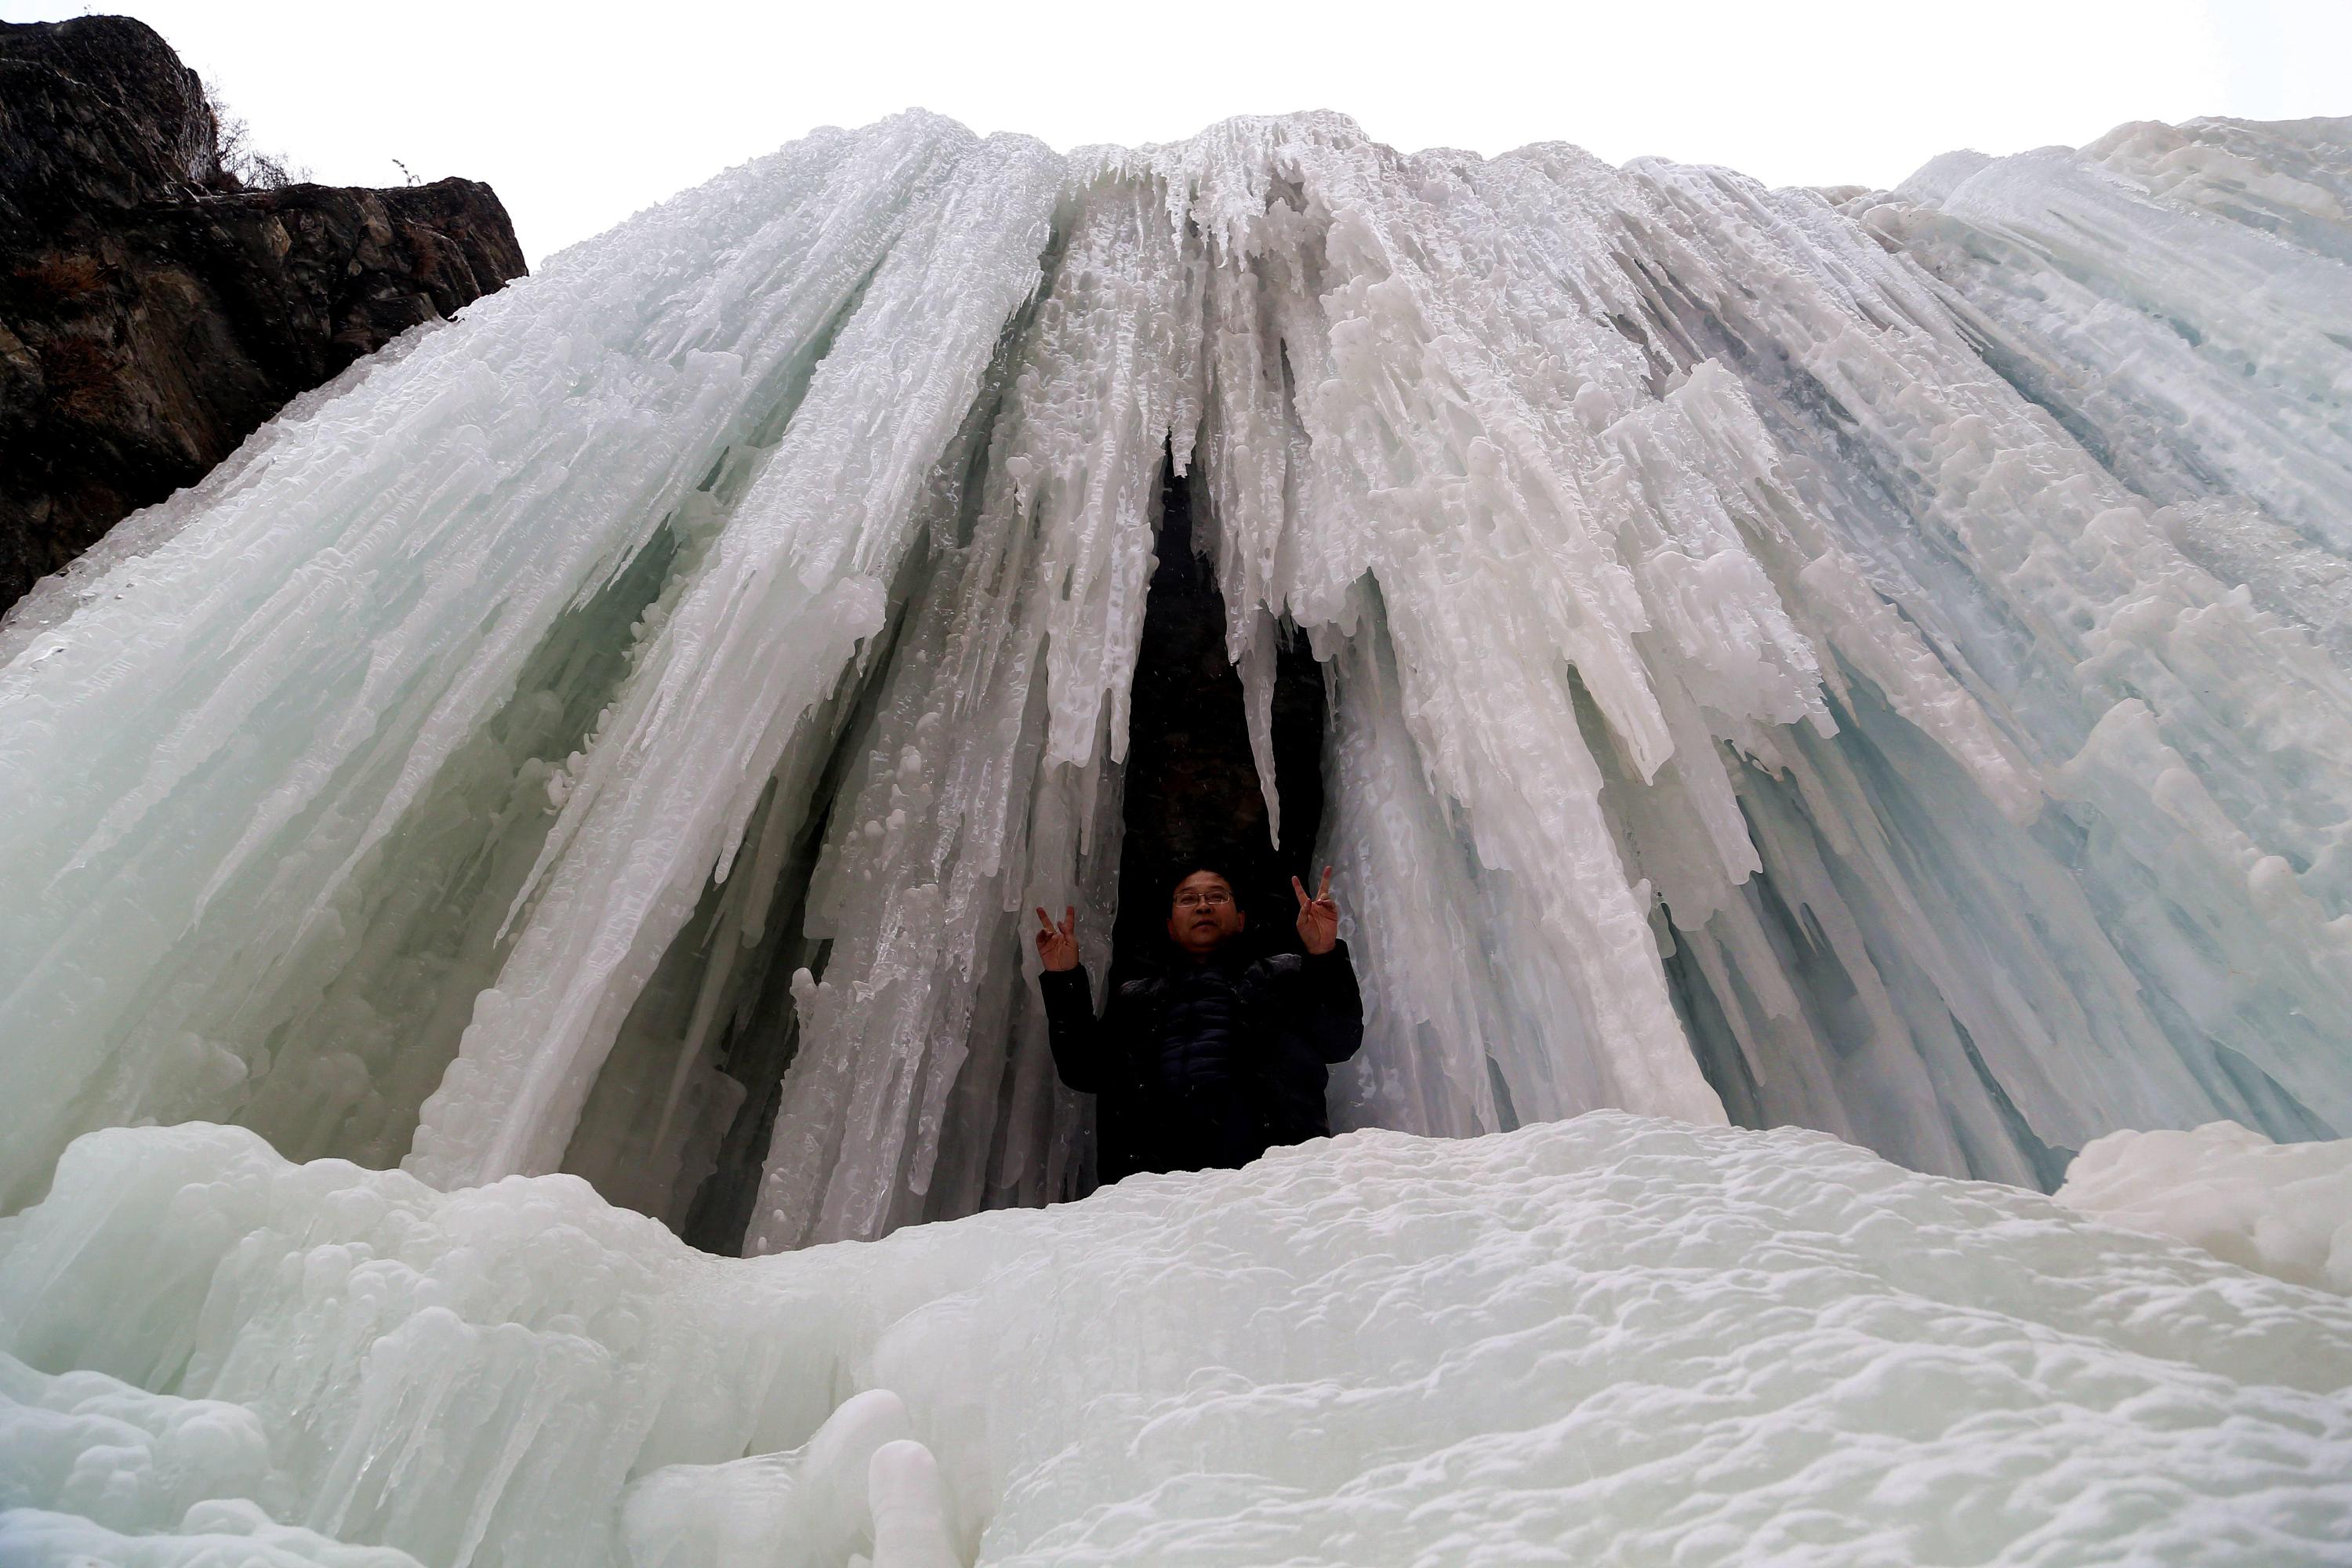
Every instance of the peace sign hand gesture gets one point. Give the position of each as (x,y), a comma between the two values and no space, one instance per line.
(1319,917)
(1057,945)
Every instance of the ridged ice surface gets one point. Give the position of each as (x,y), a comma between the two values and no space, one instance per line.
(1878,668)
(1613,1339)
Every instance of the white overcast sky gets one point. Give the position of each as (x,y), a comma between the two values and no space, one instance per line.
(581,114)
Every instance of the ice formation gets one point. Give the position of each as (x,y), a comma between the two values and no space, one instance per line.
(1610,1340)
(2284,1209)
(1878,666)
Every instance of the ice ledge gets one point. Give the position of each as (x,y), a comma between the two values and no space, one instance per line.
(2281,1209)
(1622,1338)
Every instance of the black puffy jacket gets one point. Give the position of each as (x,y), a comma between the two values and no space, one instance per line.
(1206,1066)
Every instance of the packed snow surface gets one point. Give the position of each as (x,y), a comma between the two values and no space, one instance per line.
(1611,1340)
(1876,667)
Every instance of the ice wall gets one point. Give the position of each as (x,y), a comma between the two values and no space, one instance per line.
(1613,1339)
(1873,669)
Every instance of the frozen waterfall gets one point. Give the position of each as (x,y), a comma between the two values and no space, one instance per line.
(1876,662)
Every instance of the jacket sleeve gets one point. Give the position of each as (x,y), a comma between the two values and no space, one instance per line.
(1080,1042)
(1331,1007)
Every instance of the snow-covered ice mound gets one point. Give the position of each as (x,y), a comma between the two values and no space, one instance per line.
(1611,1340)
(2283,1208)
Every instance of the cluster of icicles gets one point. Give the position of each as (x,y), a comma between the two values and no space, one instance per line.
(1875,662)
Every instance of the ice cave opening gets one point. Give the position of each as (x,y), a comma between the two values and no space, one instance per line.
(1192,788)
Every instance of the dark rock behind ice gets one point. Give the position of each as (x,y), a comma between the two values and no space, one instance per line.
(153,311)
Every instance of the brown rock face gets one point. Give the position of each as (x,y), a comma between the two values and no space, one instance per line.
(151,312)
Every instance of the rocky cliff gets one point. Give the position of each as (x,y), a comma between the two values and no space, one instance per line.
(153,311)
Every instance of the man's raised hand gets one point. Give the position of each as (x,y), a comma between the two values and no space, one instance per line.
(1057,945)
(1319,917)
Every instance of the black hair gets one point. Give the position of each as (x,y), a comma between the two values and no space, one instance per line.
(1181,870)
(1178,871)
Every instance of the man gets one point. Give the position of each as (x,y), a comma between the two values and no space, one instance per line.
(1221,1055)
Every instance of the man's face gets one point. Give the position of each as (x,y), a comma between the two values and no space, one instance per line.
(1203,914)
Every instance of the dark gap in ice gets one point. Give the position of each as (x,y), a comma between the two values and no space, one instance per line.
(1191,789)
(2280,1113)
(1714,1045)
(758,1048)
(1506,1115)
(2035,384)
(703,1179)
(761,1044)
(2049,1161)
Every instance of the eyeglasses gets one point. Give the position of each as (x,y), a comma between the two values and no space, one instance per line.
(1214,897)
